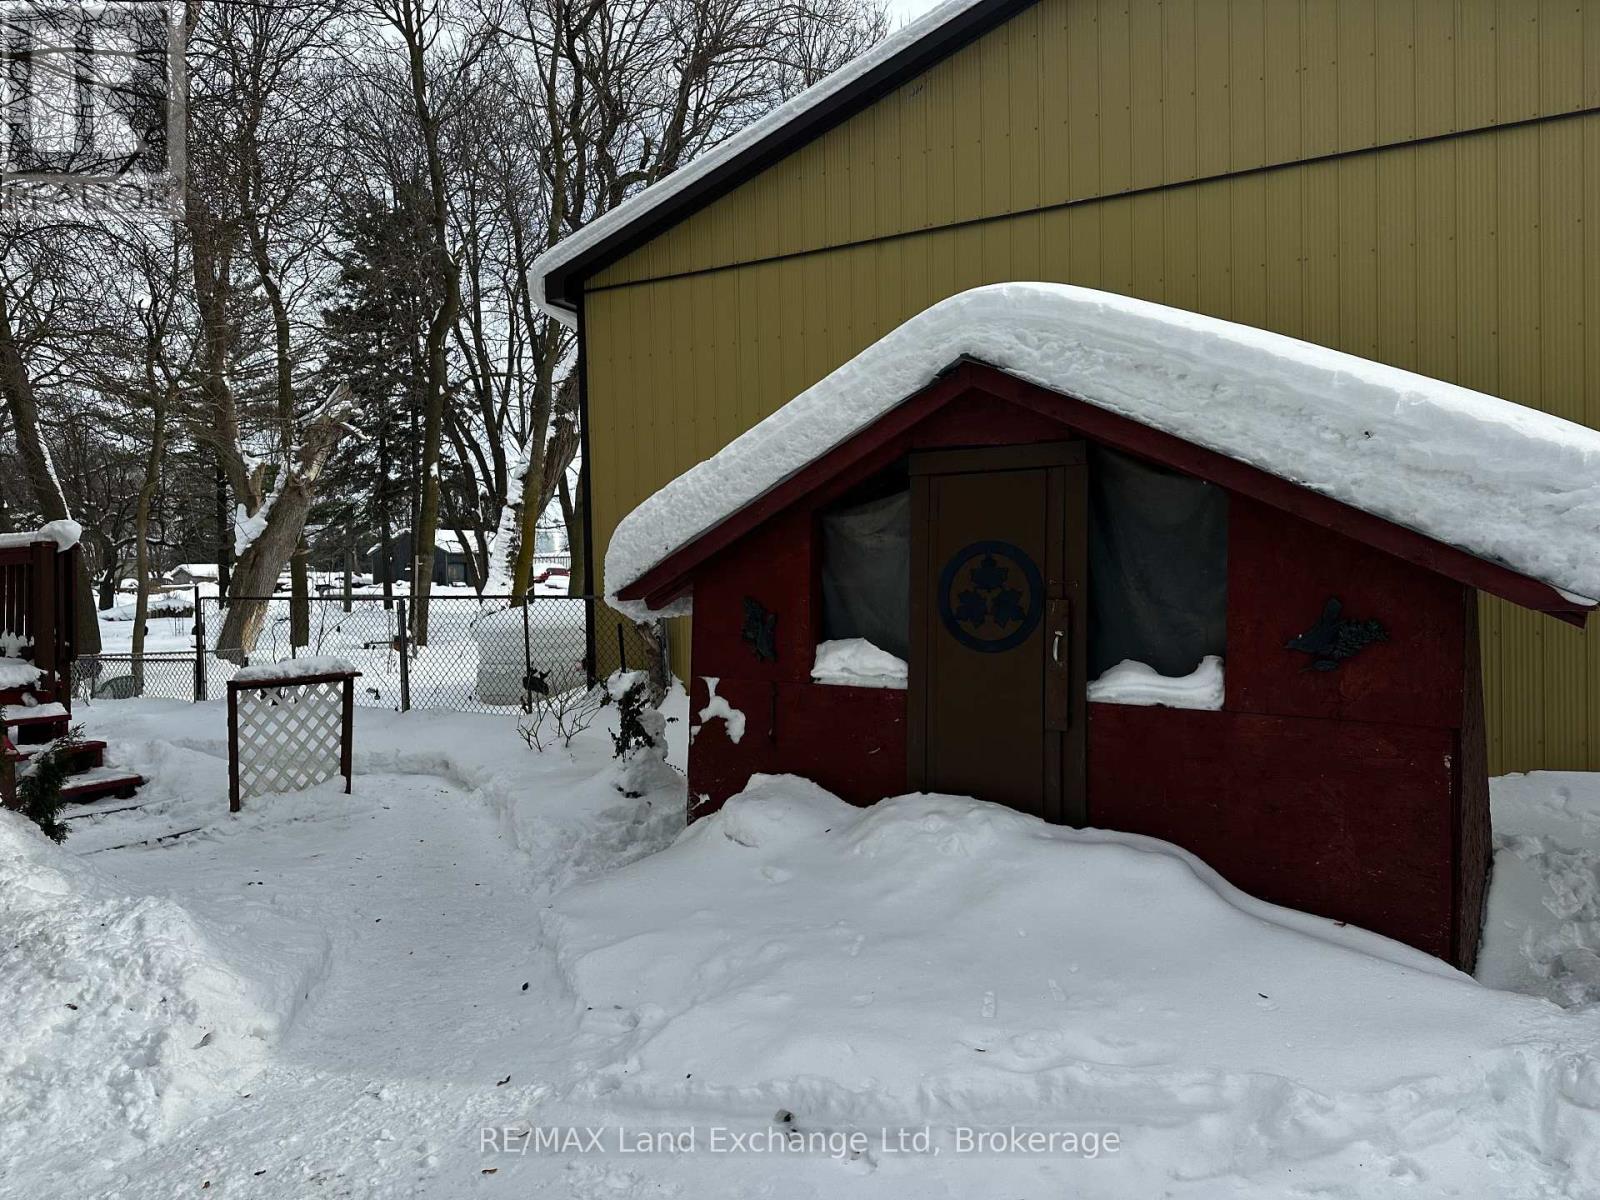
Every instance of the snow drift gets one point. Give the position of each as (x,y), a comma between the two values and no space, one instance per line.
(1504,482)
(939,958)
(121,1013)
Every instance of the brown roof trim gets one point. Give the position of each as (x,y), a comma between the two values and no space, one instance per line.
(563,285)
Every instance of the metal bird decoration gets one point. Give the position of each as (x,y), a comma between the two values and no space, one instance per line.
(1331,641)
(760,630)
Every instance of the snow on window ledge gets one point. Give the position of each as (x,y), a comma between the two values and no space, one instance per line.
(856,662)
(1131,682)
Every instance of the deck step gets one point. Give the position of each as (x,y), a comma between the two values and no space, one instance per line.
(88,753)
(36,723)
(99,782)
(105,806)
(34,714)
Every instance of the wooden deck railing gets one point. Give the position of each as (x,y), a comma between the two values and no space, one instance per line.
(38,611)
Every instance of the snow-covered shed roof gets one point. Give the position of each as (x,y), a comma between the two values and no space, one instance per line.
(1502,483)
(443,539)
(196,570)
(911,49)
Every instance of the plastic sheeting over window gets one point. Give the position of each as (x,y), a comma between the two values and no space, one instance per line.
(866,573)
(1158,566)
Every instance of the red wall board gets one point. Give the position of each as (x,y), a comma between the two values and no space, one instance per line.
(977,419)
(1282,571)
(774,568)
(1348,820)
(1475,834)
(849,740)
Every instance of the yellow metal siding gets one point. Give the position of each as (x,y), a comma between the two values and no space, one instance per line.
(1076,99)
(1474,259)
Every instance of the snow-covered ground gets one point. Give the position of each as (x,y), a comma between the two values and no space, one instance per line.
(381,994)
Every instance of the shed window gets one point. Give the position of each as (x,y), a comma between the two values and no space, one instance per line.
(866,569)
(1158,566)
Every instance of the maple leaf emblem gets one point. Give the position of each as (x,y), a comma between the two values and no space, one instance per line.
(1006,608)
(971,609)
(989,575)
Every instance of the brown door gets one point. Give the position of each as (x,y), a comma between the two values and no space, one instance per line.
(998,545)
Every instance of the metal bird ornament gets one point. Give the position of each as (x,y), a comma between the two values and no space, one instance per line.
(1331,641)
(760,630)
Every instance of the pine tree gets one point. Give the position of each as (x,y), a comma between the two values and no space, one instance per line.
(39,791)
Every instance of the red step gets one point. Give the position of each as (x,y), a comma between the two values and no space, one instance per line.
(89,754)
(36,723)
(34,714)
(98,782)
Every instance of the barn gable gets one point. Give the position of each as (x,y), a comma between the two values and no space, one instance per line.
(980,110)
(1412,184)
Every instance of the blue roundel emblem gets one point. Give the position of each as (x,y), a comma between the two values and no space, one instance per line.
(991,596)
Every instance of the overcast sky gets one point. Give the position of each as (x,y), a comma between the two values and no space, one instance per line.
(901,11)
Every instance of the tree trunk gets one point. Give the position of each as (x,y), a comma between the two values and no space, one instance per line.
(385,520)
(17,385)
(349,568)
(299,597)
(141,540)
(448,277)
(386,563)
(656,667)
(224,542)
(255,574)
(577,562)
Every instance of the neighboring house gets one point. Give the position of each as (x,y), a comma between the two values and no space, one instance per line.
(190,574)
(450,559)
(1411,183)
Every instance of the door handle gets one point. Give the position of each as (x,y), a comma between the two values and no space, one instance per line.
(1058,673)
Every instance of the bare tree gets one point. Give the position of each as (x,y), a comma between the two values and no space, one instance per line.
(255,220)
(616,94)
(47,321)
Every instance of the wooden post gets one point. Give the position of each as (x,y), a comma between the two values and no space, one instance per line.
(347,733)
(66,585)
(43,569)
(233,747)
(8,773)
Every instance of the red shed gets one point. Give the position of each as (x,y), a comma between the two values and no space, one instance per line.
(1121,566)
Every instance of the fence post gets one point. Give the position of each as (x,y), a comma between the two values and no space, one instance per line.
(405,656)
(622,649)
(233,747)
(527,658)
(199,648)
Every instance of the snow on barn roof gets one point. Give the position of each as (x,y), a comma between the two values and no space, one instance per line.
(914,47)
(1505,483)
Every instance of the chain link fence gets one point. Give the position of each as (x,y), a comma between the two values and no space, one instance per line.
(482,653)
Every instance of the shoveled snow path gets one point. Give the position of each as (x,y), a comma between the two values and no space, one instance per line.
(431,954)
(432,930)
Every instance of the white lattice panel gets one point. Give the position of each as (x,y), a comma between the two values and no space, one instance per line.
(290,736)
